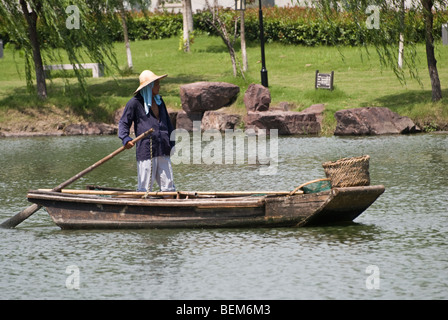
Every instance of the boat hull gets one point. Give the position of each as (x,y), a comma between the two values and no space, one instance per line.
(70,211)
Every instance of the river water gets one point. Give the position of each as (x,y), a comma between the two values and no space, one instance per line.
(397,249)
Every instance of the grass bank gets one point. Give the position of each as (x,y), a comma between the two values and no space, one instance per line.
(359,82)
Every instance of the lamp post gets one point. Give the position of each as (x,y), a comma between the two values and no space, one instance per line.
(240,5)
(264,72)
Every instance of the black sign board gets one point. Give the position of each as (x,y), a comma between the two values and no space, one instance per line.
(324,80)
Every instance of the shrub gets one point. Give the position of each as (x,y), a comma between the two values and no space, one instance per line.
(288,25)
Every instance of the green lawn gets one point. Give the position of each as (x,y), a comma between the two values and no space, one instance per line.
(359,81)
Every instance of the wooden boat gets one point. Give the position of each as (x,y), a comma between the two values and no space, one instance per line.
(99,209)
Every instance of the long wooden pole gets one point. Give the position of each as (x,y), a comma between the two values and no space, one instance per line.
(26,213)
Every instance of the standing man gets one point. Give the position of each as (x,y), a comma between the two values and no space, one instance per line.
(147,110)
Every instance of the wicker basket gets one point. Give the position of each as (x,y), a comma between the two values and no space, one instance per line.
(348,172)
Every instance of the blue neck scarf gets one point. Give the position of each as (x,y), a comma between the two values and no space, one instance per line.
(146,93)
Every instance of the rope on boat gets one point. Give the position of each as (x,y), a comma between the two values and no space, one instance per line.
(150,170)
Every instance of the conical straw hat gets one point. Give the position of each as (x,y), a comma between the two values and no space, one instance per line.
(146,77)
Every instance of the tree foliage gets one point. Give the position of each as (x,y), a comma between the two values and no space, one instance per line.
(385,37)
(73,28)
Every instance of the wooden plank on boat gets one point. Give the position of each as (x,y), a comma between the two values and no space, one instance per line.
(345,204)
(91,215)
(302,204)
(215,202)
(171,193)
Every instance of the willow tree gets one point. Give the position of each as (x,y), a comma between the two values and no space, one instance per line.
(45,29)
(387,26)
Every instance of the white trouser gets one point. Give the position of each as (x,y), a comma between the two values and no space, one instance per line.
(162,173)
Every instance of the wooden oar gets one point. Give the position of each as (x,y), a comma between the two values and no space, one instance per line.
(26,213)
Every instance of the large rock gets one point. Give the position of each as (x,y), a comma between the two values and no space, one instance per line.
(204,96)
(185,120)
(257,98)
(317,111)
(219,121)
(117,115)
(308,121)
(372,121)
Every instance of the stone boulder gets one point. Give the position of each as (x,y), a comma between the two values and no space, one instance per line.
(185,120)
(204,96)
(257,98)
(372,121)
(308,121)
(219,121)
(317,111)
(117,115)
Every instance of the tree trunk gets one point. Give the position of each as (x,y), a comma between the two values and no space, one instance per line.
(243,43)
(401,41)
(189,16)
(216,23)
(430,56)
(400,51)
(186,30)
(232,57)
(31,19)
(226,38)
(126,36)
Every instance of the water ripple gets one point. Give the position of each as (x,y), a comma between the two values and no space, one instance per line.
(404,234)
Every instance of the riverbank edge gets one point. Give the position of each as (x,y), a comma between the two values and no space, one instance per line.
(35,123)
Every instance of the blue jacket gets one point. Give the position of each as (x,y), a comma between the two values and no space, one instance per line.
(134,112)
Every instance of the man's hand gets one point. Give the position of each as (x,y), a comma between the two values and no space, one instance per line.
(129,145)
